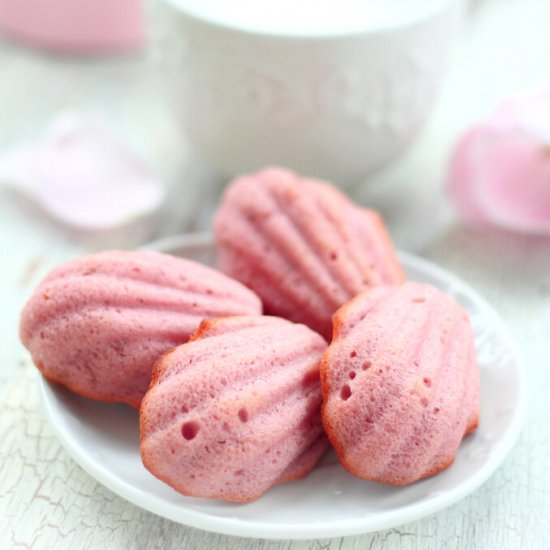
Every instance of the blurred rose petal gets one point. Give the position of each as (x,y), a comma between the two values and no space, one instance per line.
(80,175)
(76,26)
(500,169)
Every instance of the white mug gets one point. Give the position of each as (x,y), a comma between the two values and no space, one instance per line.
(335,103)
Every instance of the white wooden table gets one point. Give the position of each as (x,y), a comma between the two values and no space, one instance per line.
(47,501)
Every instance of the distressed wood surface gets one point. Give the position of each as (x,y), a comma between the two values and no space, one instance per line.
(47,501)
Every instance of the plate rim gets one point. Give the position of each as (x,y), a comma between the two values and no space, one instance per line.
(236,526)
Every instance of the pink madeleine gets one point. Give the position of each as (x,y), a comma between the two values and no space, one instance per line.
(301,245)
(400,383)
(236,410)
(98,323)
(500,169)
(79,26)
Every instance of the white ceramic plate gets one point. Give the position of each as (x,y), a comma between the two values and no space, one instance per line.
(104,440)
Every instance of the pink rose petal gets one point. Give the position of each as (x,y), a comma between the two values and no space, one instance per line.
(82,177)
(80,26)
(500,169)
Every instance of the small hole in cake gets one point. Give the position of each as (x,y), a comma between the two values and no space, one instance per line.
(239,472)
(380,371)
(189,430)
(353,354)
(427,382)
(209,292)
(419,299)
(223,381)
(369,420)
(184,409)
(225,426)
(345,392)
(424,402)
(352,374)
(333,256)
(366,365)
(243,415)
(436,410)
(206,448)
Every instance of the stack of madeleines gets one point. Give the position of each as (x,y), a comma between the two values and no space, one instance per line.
(233,401)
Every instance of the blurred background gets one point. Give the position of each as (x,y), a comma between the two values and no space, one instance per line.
(501,49)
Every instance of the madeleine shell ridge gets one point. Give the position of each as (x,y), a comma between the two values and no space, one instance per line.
(400,383)
(301,245)
(98,323)
(236,410)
